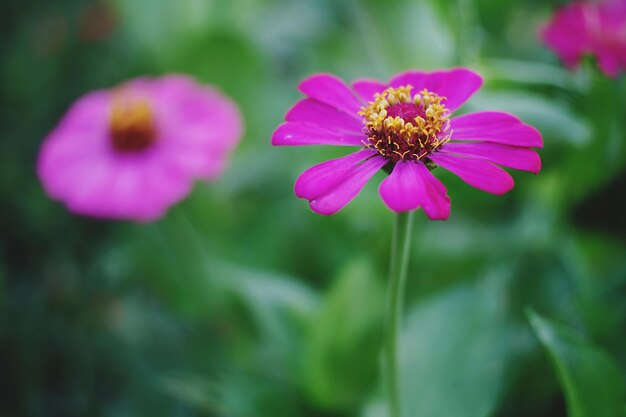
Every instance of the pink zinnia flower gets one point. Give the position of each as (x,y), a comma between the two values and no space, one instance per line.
(405,127)
(583,28)
(133,151)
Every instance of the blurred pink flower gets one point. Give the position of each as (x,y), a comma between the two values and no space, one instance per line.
(405,127)
(133,151)
(592,28)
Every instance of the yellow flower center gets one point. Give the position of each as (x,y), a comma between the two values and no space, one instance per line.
(400,126)
(131,124)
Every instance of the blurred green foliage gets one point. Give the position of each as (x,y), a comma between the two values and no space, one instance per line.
(243,303)
(592,381)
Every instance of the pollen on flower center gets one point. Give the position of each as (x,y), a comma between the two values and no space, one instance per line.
(131,125)
(400,126)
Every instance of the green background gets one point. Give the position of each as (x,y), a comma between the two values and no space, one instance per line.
(241,302)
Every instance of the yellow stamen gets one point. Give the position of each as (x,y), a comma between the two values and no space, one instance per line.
(394,134)
(131,124)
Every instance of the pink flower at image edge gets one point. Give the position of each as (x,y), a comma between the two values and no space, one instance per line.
(132,151)
(404,125)
(598,29)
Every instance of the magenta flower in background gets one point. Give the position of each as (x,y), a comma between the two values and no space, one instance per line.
(133,151)
(404,126)
(596,28)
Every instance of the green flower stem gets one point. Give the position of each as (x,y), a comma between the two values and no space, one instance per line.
(400,244)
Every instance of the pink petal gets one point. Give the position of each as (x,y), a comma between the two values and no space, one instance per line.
(129,196)
(457,85)
(476,172)
(196,129)
(606,23)
(590,28)
(75,178)
(139,189)
(508,156)
(567,34)
(494,127)
(204,164)
(332,91)
(118,193)
(198,126)
(608,63)
(293,134)
(315,112)
(331,185)
(367,89)
(166,186)
(89,112)
(79,140)
(411,185)
(400,191)
(323,177)
(340,196)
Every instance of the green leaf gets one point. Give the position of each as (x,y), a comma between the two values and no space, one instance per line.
(529,73)
(341,360)
(454,353)
(590,378)
(194,391)
(166,23)
(555,120)
(279,305)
